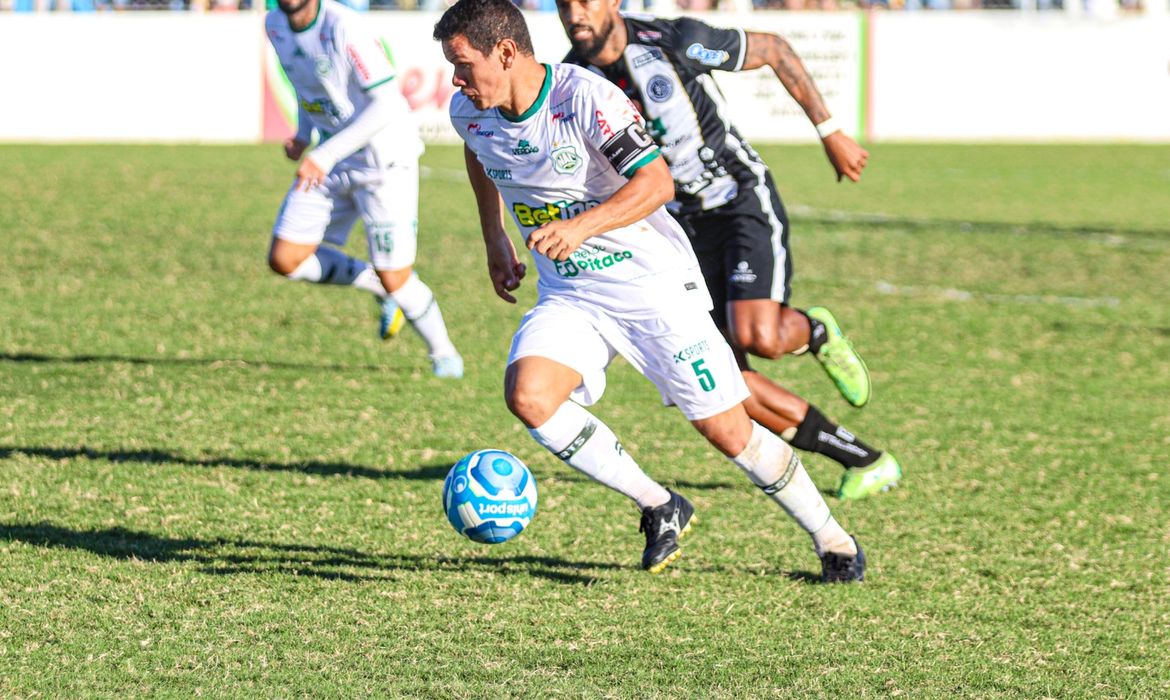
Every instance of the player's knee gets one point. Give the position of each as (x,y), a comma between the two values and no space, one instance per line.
(278,265)
(728,432)
(393,280)
(530,404)
(283,263)
(761,340)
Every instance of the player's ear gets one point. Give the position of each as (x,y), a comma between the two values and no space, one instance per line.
(507,49)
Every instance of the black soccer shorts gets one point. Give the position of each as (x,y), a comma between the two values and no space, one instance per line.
(742,248)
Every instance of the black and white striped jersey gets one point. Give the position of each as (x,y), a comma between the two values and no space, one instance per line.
(666,71)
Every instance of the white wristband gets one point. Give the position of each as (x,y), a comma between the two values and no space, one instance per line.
(827,127)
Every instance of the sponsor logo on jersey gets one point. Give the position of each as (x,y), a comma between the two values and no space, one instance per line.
(590,257)
(675,142)
(360,65)
(743,273)
(498,173)
(606,129)
(565,160)
(564,117)
(323,65)
(321,106)
(689,353)
(556,211)
(706,56)
(524,148)
(474,128)
(647,58)
(659,88)
(648,35)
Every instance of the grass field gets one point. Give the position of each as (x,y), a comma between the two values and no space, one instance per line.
(216,482)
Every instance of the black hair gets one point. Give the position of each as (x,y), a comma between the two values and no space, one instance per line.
(485,23)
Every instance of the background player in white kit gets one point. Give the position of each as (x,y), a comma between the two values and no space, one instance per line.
(586,186)
(366,164)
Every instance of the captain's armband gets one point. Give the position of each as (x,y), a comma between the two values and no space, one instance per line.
(629,149)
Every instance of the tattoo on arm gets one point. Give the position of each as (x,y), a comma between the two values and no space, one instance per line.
(772,50)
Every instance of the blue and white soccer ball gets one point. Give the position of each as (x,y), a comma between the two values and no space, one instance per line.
(489,496)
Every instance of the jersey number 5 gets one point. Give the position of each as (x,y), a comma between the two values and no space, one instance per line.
(706,381)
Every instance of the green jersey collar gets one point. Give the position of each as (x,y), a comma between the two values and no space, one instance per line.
(538,103)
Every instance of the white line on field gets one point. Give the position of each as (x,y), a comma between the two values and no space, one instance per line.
(948,294)
(849,217)
(450,174)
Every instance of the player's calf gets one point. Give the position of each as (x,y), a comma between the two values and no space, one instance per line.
(777,471)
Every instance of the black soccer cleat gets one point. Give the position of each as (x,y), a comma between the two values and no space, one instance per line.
(842,568)
(664,526)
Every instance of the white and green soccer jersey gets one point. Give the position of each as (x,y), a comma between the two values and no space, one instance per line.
(333,64)
(571,150)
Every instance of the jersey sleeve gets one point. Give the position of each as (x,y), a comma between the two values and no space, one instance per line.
(368,58)
(617,131)
(706,48)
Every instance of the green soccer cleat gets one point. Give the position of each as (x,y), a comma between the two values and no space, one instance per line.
(391,319)
(842,363)
(882,475)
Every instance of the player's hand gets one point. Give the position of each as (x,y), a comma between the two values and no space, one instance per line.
(505,269)
(846,155)
(294,149)
(556,240)
(309,175)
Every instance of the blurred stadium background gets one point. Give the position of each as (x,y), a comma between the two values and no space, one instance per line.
(1098,8)
(1014,70)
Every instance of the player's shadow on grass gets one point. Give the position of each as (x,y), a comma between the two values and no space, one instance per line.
(213,363)
(224,556)
(807,577)
(681,484)
(424,472)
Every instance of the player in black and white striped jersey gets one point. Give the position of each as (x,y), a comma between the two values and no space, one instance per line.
(726,199)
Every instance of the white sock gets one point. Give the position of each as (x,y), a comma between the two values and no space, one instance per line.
(589,446)
(420,308)
(774,467)
(331,266)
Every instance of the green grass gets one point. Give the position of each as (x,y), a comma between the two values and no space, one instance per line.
(215,482)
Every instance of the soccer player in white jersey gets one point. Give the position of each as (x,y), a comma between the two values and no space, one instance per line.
(365,165)
(568,156)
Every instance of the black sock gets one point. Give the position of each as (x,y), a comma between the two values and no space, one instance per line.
(819,434)
(817,335)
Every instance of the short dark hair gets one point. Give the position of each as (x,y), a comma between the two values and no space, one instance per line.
(485,23)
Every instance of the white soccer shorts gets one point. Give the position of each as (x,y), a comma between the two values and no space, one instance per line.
(680,351)
(386,199)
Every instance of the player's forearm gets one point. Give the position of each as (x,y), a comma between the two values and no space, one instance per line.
(773,51)
(650,187)
(360,130)
(487,198)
